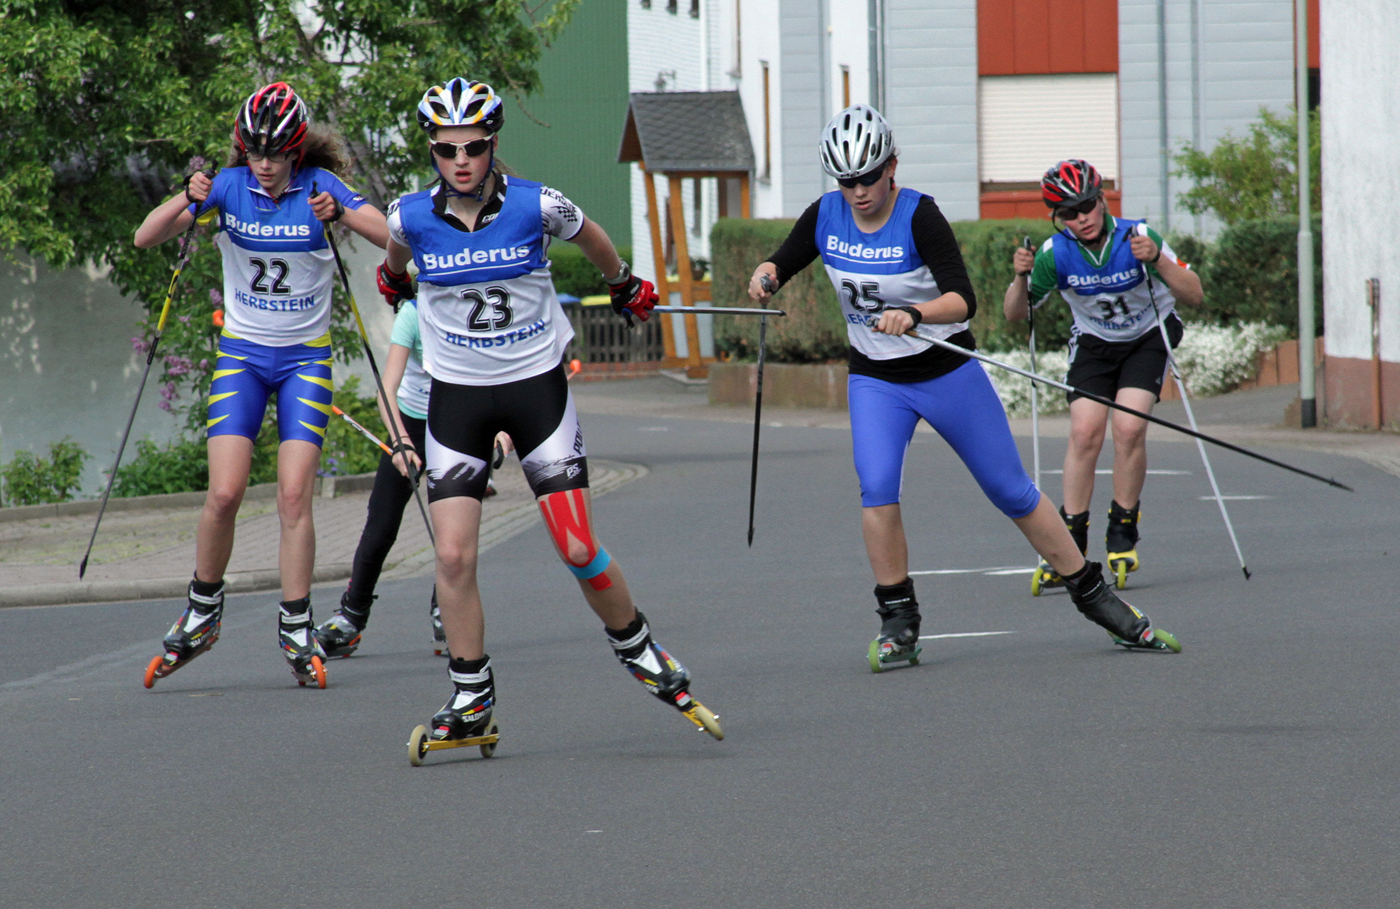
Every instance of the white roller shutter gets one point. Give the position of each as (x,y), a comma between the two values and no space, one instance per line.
(1027,123)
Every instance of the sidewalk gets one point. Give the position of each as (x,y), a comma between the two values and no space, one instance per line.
(146,547)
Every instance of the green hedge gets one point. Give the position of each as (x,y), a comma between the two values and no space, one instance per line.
(573,274)
(1248,274)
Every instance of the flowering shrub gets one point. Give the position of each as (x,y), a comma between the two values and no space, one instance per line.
(1214,359)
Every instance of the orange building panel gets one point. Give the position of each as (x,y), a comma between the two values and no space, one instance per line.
(1031,37)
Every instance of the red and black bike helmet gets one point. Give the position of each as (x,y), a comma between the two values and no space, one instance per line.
(273,120)
(1070,183)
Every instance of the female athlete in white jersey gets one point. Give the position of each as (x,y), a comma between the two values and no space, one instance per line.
(1100,265)
(494,337)
(895,265)
(270,205)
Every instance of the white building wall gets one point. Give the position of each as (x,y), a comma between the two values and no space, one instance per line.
(1233,57)
(931,99)
(1361,173)
(666,52)
(760,41)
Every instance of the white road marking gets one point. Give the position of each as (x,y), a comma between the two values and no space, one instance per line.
(653,429)
(1158,473)
(963,634)
(1005,569)
(1234,498)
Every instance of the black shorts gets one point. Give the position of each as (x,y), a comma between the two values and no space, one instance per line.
(539,415)
(1102,367)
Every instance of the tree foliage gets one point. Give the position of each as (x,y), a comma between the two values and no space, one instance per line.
(1254,176)
(103,106)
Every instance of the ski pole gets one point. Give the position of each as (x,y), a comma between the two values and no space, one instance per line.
(1186,401)
(1116,406)
(150,358)
(364,432)
(1035,397)
(771,287)
(413,475)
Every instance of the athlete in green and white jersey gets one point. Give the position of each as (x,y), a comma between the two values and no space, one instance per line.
(1100,265)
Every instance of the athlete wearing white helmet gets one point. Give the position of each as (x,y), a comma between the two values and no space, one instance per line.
(494,336)
(269,209)
(895,265)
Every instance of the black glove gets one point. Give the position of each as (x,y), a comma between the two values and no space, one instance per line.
(632,296)
(394,286)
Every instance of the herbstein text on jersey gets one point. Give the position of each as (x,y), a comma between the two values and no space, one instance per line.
(501,340)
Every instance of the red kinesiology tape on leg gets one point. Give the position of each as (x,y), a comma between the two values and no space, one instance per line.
(566,516)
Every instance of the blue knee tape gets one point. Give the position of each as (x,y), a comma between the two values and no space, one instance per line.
(594,568)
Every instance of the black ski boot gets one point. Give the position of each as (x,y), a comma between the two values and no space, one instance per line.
(1045,577)
(467,714)
(340,635)
(660,673)
(1125,624)
(1121,540)
(194,632)
(439,636)
(899,626)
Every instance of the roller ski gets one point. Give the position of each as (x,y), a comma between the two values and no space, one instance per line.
(1046,578)
(1128,627)
(465,721)
(299,645)
(196,631)
(899,627)
(341,634)
(660,673)
(1121,542)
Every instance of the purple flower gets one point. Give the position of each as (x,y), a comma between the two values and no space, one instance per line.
(216,297)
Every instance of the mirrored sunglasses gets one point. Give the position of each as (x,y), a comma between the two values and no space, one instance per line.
(1070,212)
(869,179)
(474,148)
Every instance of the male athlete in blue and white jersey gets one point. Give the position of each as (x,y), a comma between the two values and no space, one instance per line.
(270,208)
(494,337)
(1100,265)
(895,265)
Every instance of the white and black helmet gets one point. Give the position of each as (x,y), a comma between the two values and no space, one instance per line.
(855,142)
(461,102)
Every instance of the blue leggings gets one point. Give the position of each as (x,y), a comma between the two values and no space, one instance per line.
(964,409)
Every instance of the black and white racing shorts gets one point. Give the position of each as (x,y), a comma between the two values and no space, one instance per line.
(1102,367)
(537,412)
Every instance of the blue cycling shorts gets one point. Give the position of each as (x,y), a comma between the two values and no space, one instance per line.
(246,374)
(963,408)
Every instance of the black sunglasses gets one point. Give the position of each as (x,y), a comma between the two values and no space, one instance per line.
(869,179)
(474,148)
(1070,212)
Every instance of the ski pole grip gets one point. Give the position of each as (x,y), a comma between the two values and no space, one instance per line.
(768,283)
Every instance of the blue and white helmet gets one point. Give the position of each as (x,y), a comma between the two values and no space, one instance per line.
(461,102)
(855,142)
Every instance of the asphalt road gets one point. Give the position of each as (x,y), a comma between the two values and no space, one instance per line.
(1040,767)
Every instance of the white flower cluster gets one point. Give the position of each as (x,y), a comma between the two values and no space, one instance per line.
(1214,359)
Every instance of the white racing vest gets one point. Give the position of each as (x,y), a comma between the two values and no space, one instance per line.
(486,302)
(875,271)
(1111,301)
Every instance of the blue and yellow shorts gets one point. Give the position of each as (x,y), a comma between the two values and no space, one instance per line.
(246,374)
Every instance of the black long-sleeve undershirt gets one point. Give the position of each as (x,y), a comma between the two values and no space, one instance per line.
(937,246)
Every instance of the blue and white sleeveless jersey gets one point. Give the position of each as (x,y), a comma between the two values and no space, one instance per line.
(1109,300)
(278,268)
(486,301)
(873,271)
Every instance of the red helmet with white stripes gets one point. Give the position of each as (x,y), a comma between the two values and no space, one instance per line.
(1070,183)
(271,121)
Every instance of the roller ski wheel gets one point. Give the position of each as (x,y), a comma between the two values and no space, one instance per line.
(705,719)
(1044,578)
(1121,563)
(884,653)
(295,634)
(420,742)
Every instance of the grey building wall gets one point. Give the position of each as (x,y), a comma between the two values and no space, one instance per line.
(931,98)
(1224,60)
(800,103)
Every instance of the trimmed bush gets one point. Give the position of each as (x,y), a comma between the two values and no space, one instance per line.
(1252,274)
(574,274)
